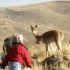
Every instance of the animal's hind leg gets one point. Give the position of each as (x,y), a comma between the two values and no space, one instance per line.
(58,44)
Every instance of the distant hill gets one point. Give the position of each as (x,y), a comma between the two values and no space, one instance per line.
(50,15)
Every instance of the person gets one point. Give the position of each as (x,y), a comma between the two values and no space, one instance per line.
(7,44)
(17,54)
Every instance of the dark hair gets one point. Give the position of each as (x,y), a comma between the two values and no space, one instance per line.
(17,43)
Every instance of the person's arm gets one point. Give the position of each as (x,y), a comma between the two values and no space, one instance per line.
(26,58)
(5,60)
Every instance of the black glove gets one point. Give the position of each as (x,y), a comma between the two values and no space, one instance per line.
(3,66)
(29,67)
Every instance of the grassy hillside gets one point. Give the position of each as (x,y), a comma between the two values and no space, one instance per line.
(50,15)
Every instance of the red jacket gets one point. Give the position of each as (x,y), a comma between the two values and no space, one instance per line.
(17,53)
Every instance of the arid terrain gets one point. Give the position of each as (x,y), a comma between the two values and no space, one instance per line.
(48,16)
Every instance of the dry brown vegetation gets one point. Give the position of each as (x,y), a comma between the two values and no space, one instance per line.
(50,15)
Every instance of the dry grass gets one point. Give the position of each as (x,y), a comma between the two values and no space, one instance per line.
(66,49)
(39,53)
(51,15)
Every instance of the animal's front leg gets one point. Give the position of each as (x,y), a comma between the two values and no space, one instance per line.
(46,51)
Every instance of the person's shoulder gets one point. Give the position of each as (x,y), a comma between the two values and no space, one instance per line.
(21,46)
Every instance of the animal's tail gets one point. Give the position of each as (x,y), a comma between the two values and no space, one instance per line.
(61,35)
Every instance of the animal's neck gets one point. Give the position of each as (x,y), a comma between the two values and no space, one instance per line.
(38,37)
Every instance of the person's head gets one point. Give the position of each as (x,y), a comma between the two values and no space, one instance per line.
(17,38)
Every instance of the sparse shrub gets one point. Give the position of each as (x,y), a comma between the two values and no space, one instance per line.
(66,50)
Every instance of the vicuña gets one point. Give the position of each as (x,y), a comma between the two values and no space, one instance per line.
(48,37)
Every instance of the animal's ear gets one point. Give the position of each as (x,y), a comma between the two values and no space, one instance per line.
(36,26)
(30,26)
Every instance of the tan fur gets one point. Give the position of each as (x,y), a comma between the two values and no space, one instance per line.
(48,37)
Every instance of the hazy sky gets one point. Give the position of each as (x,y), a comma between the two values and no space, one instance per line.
(20,2)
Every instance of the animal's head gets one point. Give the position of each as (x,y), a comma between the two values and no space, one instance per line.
(34,29)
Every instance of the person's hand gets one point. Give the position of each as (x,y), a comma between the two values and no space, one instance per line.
(27,68)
